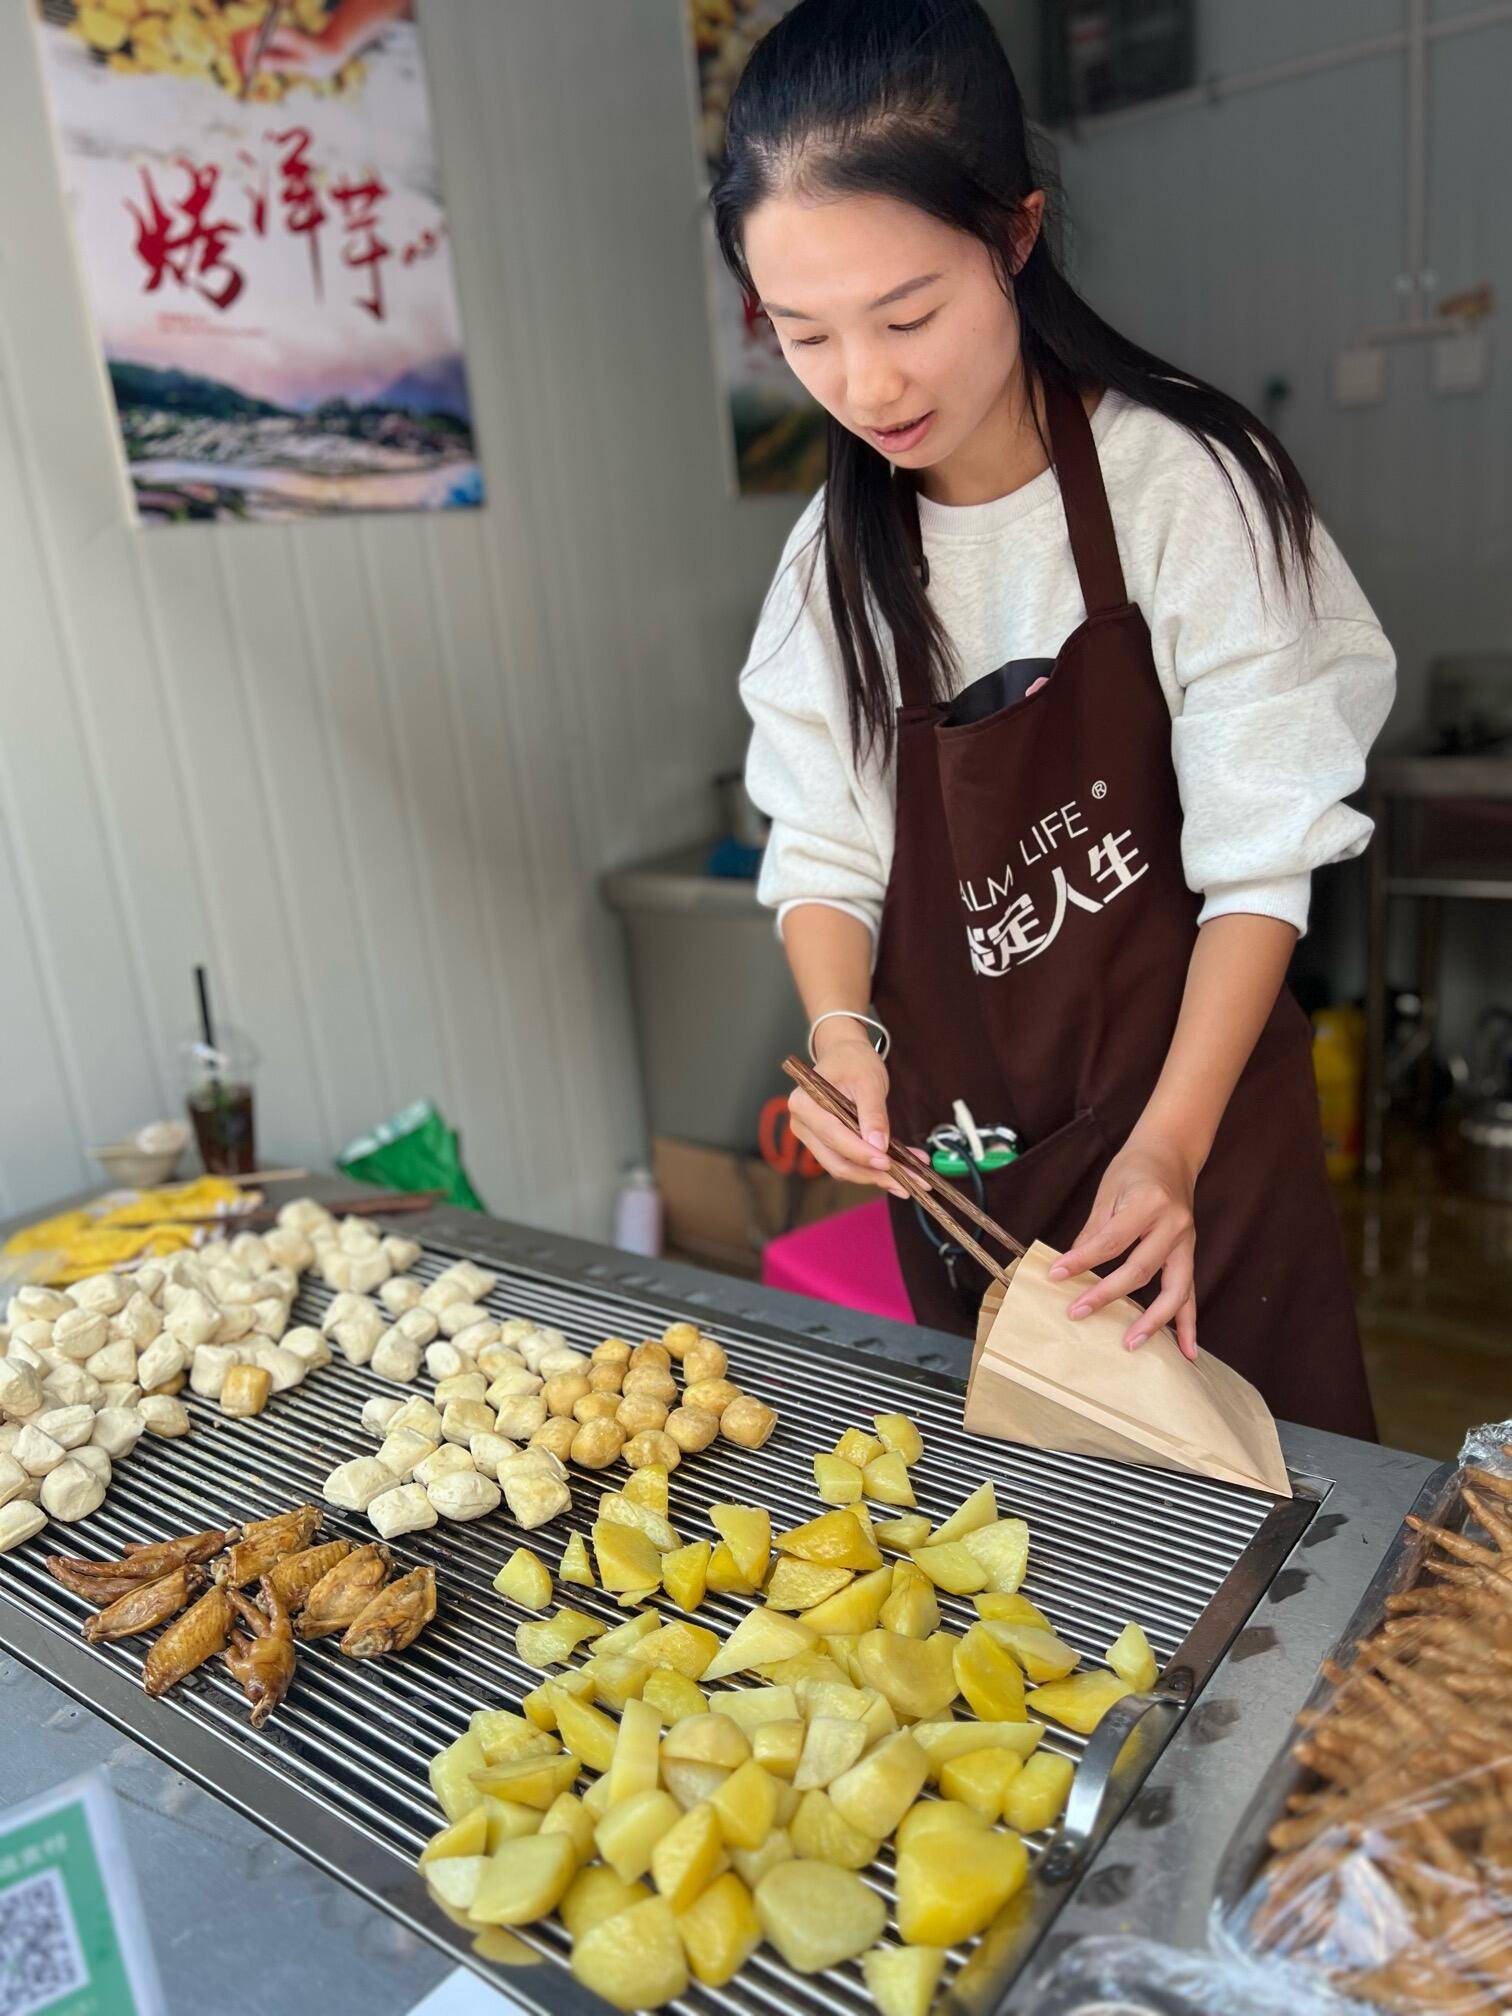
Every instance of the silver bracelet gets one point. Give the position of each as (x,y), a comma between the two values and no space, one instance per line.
(853,1015)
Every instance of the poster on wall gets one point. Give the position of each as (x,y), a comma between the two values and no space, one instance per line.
(257,213)
(775,430)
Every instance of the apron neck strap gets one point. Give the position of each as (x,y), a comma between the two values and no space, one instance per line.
(1089,522)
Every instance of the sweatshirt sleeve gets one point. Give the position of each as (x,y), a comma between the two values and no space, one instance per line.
(798,767)
(1277,702)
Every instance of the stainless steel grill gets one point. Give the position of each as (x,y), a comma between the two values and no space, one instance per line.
(341,1771)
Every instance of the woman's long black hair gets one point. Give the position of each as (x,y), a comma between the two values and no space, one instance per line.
(916,100)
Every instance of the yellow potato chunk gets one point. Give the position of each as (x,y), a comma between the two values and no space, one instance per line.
(886,1480)
(1132,1659)
(760,1636)
(853,1609)
(454,1883)
(525,1579)
(989,1678)
(751,1864)
(981,1780)
(836,1481)
(901,1980)
(746,1806)
(673,1695)
(916,1676)
(628,1832)
(940,1741)
(551,1642)
(950,1567)
(747,1532)
(686,1648)
(568,1815)
(903,1534)
(524,1880)
(503,1734)
(685,1571)
(622,1510)
(1080,1702)
(831,1746)
(856,1446)
(467,1836)
(634,1959)
(798,1585)
(708,1739)
(875,1793)
(720,1931)
(451,1772)
(648,1487)
(1036,1795)
(575,1566)
(724,1576)
(912,1609)
(835,1540)
(980,1509)
(1003,1551)
(625,1557)
(1042,1655)
(625,1637)
(528,1781)
(616,1680)
(777,1747)
(690,1783)
(587,1732)
(817,1916)
(1004,1608)
(820,1834)
(687,1858)
(897,1432)
(636,1765)
(953,1881)
(751,1706)
(595,1894)
(508,1823)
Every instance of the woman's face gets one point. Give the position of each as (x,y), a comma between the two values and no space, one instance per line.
(944,352)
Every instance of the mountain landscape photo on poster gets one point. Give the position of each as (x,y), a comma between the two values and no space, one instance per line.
(257,211)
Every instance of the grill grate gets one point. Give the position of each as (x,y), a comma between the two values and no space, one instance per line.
(341,1770)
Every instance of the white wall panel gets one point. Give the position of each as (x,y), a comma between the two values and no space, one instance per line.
(371,771)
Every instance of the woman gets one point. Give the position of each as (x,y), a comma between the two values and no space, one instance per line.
(1052,749)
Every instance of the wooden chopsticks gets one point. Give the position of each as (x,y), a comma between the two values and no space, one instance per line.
(919,1179)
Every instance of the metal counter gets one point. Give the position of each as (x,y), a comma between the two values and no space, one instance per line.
(213,1882)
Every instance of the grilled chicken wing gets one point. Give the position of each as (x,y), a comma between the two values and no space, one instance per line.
(262,1655)
(146,1606)
(189,1641)
(264,1544)
(158,1557)
(345,1591)
(395,1617)
(101,1582)
(296,1575)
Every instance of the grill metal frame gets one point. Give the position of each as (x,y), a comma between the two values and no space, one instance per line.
(339,1772)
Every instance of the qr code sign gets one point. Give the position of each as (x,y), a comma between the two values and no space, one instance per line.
(40,1960)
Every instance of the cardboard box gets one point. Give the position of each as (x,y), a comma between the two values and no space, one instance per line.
(722,1208)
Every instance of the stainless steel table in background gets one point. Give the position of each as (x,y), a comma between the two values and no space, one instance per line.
(241,1924)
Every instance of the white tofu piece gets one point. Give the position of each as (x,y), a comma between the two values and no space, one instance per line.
(68,1426)
(402,1448)
(492,1453)
(402,1253)
(289,1247)
(163,1416)
(442,1293)
(37,1453)
(123,1393)
(139,1322)
(353,1486)
(79,1334)
(113,1362)
(562,1360)
(419,1413)
(534,1495)
(117,1430)
(270,1317)
(459,1316)
(367,1271)
(20,1389)
(69,1385)
(12,1479)
(235,1324)
(477,1337)
(405,1509)
(95,1460)
(308,1346)
(193,1318)
(103,1293)
(417,1324)
(463,1495)
(378,1412)
(207,1373)
(70,1492)
(400,1294)
(461,1386)
(520,1416)
(475,1279)
(358,1236)
(35,1303)
(20,1522)
(444,1360)
(443,1462)
(284,1368)
(250,1252)
(164,1359)
(396,1357)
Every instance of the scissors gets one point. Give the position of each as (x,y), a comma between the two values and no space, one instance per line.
(780,1147)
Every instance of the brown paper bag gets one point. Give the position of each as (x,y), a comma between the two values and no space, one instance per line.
(1038,1378)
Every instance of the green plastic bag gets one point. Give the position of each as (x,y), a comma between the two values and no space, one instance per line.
(416,1150)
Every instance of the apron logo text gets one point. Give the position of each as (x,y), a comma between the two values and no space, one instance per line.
(1017,933)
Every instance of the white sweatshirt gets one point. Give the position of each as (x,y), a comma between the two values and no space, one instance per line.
(1273,705)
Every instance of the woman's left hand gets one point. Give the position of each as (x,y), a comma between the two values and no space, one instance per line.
(1144,1202)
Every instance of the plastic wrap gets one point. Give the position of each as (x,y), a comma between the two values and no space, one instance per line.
(1383,1877)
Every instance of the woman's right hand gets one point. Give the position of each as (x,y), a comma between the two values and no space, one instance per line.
(844,1055)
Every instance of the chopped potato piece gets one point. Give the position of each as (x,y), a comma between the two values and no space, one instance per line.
(720,1931)
(820,1834)
(912,1609)
(953,1880)
(551,1642)
(454,1882)
(626,1511)
(575,1566)
(508,1823)
(672,1694)
(451,1772)
(586,1731)
(632,1827)
(1080,1702)
(595,1894)
(818,1916)
(853,1609)
(746,1806)
(753,1706)
(691,1783)
(568,1815)
(625,1637)
(747,1531)
(525,1579)
(1011,1608)
(980,1509)
(1132,1659)
(777,1747)
(761,1635)
(856,1446)
(915,1674)
(723,1574)
(835,1540)
(901,1980)
(1003,1551)
(989,1677)
(943,1740)
(524,1879)
(686,1648)
(950,1567)
(836,1481)
(904,1534)
(537,1704)
(898,1432)
(831,1746)
(467,1836)
(981,1780)
(751,1864)
(1042,1655)
(707,1739)
(528,1781)
(1037,1793)
(685,1571)
(625,1557)
(815,1664)
(616,1678)
(886,1480)
(648,1487)
(687,1858)
(798,1585)
(874,1794)
(634,1959)
(636,1766)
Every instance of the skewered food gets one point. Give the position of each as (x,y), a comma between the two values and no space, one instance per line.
(261,1654)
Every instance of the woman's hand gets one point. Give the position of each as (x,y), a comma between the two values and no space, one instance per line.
(1144,1202)
(846,1058)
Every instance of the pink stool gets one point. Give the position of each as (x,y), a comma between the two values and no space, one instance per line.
(849,1259)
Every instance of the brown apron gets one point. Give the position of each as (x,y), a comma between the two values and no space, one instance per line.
(1034,947)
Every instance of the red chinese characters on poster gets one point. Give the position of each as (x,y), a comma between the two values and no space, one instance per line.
(268,264)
